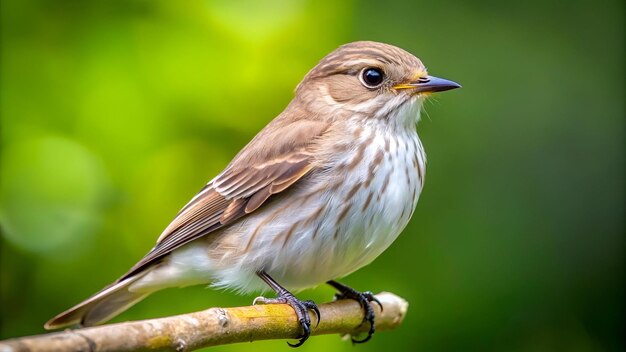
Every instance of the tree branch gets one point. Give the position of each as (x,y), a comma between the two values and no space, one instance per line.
(214,326)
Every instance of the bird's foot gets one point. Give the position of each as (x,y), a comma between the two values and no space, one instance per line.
(300,307)
(364,299)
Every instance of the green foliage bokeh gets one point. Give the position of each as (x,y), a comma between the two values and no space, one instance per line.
(114,113)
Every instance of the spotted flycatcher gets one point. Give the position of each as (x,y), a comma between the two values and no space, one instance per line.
(320,192)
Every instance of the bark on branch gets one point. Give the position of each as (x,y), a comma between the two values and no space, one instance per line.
(214,326)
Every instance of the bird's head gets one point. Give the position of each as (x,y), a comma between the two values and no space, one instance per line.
(369,78)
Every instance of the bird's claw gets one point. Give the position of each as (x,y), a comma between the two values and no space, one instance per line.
(364,299)
(302,312)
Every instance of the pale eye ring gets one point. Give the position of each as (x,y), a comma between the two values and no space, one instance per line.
(372,77)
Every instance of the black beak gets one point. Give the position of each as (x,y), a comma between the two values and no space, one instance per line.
(433,84)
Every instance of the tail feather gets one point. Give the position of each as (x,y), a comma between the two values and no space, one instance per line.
(102,306)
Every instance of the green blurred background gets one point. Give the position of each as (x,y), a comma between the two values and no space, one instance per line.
(114,113)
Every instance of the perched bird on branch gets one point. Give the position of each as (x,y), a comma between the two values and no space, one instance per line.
(320,192)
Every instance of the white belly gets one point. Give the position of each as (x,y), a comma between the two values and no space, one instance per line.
(355,224)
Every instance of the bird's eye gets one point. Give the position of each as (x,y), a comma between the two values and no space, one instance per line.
(372,77)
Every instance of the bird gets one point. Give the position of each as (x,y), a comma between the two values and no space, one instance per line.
(321,191)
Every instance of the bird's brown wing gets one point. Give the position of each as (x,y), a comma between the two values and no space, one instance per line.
(274,160)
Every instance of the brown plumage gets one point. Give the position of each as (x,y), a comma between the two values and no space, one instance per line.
(321,191)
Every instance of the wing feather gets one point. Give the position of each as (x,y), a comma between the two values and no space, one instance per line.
(253,176)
